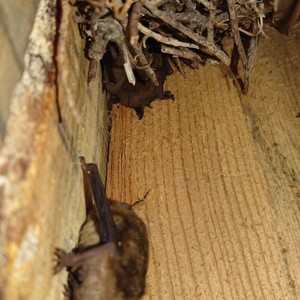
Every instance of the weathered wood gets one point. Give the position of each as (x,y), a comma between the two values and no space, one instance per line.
(223,174)
(41,187)
(16,19)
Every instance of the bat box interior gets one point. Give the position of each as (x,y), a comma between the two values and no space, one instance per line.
(217,171)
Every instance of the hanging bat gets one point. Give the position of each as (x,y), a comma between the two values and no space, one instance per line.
(144,92)
(111,259)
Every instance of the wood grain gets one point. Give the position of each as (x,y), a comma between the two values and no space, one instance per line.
(223,174)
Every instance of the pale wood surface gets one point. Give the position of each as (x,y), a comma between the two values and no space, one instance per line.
(223,173)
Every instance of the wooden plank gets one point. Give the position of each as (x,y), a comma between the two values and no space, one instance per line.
(223,174)
(41,186)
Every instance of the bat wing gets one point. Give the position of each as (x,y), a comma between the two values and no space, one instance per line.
(96,197)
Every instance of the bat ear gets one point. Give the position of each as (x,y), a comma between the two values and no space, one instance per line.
(59,261)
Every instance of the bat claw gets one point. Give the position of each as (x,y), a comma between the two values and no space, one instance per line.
(60,260)
(168,95)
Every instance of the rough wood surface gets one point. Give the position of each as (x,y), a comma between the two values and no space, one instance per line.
(41,186)
(16,19)
(223,172)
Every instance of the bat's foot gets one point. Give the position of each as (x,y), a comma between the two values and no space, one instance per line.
(168,95)
(62,259)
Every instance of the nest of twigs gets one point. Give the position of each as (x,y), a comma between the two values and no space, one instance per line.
(136,40)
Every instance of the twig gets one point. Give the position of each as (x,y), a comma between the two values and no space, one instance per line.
(165,40)
(210,28)
(127,65)
(133,20)
(246,32)
(235,32)
(143,62)
(179,52)
(250,58)
(191,17)
(119,38)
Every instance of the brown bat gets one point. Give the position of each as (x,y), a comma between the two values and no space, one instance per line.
(144,92)
(111,259)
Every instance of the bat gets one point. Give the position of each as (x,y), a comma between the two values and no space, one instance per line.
(144,92)
(111,259)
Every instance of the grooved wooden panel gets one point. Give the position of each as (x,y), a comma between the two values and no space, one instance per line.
(223,174)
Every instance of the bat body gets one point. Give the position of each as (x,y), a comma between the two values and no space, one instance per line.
(112,256)
(144,92)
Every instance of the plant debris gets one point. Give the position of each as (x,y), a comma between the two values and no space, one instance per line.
(136,40)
